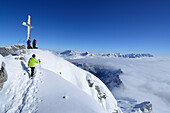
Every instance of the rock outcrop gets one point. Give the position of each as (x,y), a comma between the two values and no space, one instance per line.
(108,76)
(144,107)
(3,75)
(5,51)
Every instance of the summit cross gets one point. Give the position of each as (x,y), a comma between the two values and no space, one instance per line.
(29,26)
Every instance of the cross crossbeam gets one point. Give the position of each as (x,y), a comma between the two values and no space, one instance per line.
(29,26)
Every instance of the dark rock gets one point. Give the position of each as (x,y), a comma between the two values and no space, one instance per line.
(21,46)
(90,83)
(3,75)
(144,107)
(68,53)
(84,54)
(5,51)
(109,76)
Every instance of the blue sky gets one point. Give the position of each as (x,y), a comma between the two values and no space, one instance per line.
(119,26)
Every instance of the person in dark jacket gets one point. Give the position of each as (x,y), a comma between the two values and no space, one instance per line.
(29,44)
(31,64)
(34,44)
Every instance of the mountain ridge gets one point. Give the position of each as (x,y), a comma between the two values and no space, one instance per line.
(76,54)
(22,93)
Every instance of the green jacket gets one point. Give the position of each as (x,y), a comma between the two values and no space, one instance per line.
(32,61)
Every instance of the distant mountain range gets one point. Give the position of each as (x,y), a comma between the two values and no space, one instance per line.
(76,54)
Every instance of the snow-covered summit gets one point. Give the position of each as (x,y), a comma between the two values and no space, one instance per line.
(68,52)
(85,54)
(71,53)
(58,86)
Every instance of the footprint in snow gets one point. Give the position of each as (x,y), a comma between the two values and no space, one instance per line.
(65,97)
(7,92)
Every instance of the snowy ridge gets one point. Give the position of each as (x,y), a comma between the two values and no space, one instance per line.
(70,54)
(145,81)
(19,90)
(108,75)
(57,84)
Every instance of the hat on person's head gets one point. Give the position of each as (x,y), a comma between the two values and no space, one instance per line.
(33,55)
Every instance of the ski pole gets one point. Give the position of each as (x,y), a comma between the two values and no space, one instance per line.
(40,66)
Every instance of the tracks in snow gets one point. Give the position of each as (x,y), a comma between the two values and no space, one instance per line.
(22,92)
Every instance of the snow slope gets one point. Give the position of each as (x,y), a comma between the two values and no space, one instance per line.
(1,59)
(144,79)
(58,87)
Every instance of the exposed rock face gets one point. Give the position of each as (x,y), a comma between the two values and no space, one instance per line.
(145,107)
(68,53)
(85,54)
(3,75)
(108,76)
(133,55)
(5,51)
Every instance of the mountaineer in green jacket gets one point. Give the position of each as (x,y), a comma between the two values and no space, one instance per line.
(31,64)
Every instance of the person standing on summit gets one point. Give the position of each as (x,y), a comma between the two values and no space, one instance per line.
(34,44)
(31,64)
(29,44)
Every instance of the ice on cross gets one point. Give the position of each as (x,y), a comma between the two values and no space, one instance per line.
(29,26)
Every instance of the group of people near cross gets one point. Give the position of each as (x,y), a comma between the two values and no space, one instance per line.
(32,60)
(33,44)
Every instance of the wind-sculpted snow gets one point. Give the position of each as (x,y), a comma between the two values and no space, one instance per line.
(77,77)
(108,75)
(18,93)
(144,79)
(54,79)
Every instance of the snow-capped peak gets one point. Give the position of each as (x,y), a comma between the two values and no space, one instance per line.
(67,52)
(70,54)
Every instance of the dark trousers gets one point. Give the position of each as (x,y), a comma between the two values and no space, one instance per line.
(34,46)
(32,71)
